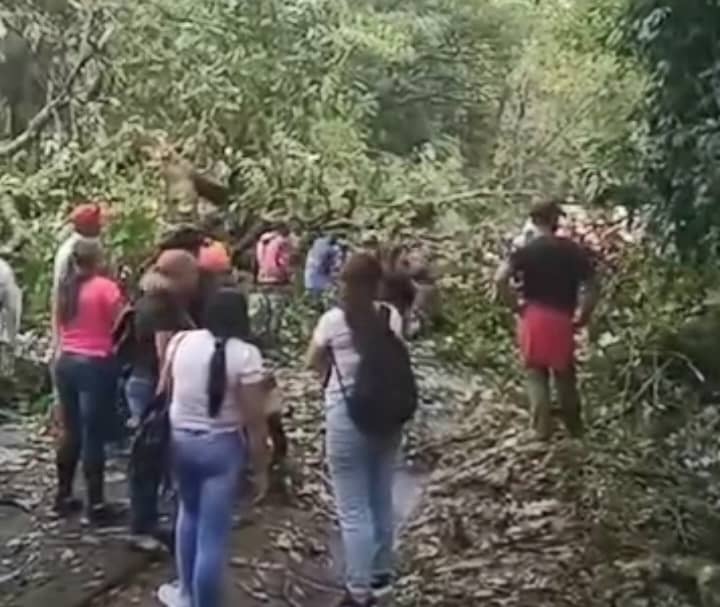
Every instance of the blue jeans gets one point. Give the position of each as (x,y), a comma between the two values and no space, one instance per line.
(207,467)
(139,392)
(86,388)
(361,470)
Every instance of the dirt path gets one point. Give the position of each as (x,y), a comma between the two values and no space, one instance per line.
(282,555)
(286,553)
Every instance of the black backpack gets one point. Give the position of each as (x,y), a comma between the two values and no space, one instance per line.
(384,396)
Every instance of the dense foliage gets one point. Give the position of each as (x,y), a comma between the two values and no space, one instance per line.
(434,121)
(298,104)
(678,44)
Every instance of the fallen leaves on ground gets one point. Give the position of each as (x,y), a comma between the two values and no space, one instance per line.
(508,521)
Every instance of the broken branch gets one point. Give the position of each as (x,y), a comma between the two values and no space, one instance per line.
(46,113)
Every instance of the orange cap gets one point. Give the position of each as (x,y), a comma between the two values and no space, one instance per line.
(214,257)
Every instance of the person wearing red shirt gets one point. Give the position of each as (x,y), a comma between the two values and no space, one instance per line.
(275,257)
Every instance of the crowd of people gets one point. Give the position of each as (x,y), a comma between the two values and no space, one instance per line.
(204,410)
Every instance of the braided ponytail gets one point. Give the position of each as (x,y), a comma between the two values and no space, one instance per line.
(226,318)
(217,378)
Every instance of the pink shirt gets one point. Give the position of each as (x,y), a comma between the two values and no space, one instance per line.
(273,254)
(90,332)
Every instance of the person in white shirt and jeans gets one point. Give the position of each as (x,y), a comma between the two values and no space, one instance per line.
(10,314)
(361,467)
(218,419)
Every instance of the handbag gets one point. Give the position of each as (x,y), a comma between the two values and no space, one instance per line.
(150,447)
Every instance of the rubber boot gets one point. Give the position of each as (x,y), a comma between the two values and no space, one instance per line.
(96,511)
(65,504)
(66,460)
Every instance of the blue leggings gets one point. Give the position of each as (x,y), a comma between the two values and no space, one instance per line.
(207,467)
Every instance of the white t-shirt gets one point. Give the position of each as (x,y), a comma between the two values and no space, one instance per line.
(190,374)
(528,233)
(332,331)
(10,304)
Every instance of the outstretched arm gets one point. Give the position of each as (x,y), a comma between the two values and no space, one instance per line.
(505,290)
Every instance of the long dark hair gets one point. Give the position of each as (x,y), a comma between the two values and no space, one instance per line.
(84,262)
(396,288)
(226,316)
(360,279)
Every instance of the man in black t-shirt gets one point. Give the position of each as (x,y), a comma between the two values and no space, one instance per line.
(551,272)
(558,292)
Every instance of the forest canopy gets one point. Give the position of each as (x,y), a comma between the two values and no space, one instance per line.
(318,108)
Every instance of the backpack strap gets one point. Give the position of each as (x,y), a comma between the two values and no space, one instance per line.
(122,323)
(334,365)
(384,313)
(188,320)
(164,384)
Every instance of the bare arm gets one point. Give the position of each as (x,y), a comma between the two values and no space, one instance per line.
(252,399)
(505,290)
(589,297)
(317,359)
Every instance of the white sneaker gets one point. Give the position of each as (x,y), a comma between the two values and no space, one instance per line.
(381,586)
(147,543)
(169,595)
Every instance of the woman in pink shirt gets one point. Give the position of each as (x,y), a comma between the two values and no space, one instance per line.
(87,307)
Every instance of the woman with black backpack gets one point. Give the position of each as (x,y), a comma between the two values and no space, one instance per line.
(369,393)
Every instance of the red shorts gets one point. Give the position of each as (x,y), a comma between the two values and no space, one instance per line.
(547,338)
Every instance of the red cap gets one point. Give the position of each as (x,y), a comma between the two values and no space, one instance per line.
(86,216)
(214,257)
